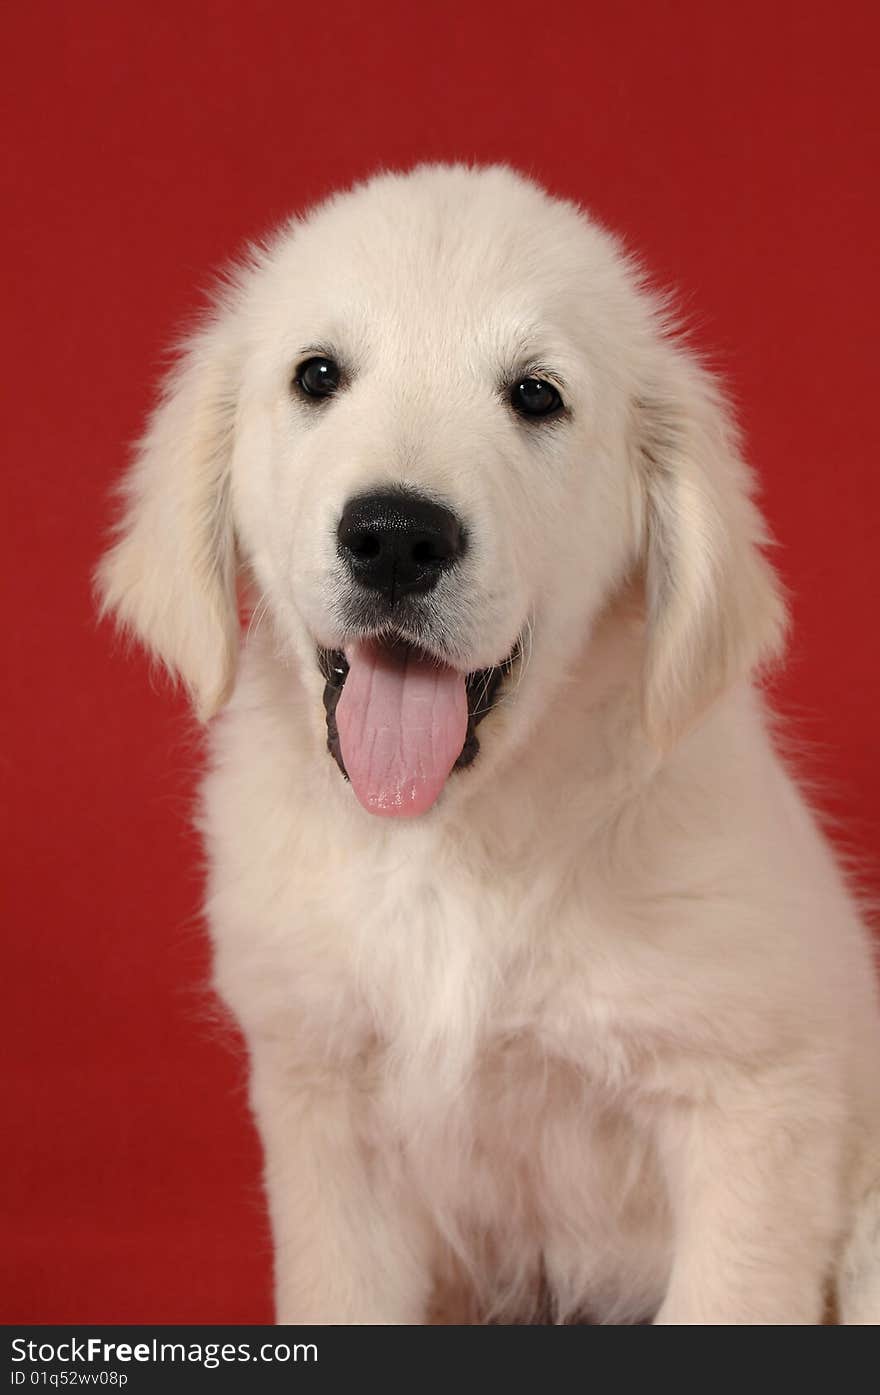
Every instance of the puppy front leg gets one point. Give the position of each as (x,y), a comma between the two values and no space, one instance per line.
(754,1182)
(350,1245)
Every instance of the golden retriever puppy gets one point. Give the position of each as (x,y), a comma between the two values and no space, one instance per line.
(552,988)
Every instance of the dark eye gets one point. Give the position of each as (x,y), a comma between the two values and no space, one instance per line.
(532,397)
(318,377)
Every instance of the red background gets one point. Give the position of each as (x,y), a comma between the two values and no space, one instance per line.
(736,145)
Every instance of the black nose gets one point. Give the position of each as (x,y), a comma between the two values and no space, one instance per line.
(398,542)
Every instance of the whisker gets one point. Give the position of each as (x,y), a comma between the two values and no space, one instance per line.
(257,616)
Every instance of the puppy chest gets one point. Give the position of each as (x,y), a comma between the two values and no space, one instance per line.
(529,1156)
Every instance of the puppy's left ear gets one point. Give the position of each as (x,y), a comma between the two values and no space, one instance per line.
(170,576)
(714,604)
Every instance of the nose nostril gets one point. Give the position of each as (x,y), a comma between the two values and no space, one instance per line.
(364,545)
(427,553)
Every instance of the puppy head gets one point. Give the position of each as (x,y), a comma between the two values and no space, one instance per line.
(439,424)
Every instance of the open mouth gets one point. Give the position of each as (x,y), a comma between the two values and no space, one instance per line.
(399,721)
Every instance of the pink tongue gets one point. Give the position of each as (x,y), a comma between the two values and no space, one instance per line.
(402,723)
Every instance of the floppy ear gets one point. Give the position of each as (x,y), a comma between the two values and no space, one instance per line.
(714,603)
(170,576)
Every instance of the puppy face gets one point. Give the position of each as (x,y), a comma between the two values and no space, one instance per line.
(431,464)
(438,425)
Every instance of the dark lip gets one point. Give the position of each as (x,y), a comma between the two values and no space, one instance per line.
(482,687)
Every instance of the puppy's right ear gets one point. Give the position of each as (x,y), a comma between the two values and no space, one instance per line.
(169,578)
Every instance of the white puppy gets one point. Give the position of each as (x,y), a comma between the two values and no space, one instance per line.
(560,1001)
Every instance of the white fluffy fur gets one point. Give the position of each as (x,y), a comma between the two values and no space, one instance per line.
(599,1034)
